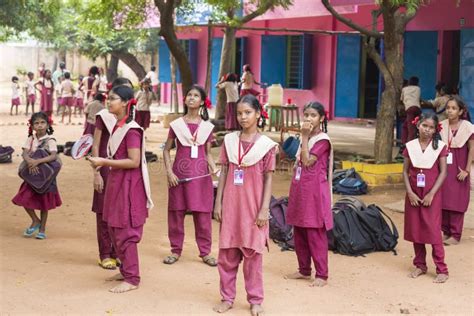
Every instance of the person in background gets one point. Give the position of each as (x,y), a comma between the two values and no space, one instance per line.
(411,100)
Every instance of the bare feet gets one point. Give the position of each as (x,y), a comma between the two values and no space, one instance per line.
(445,237)
(296,276)
(222,307)
(441,278)
(319,282)
(116,277)
(451,241)
(123,287)
(256,310)
(416,273)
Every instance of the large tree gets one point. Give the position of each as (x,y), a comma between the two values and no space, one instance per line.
(232,20)
(396,14)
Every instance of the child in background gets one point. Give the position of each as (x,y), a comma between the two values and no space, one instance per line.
(242,205)
(193,136)
(127,194)
(411,100)
(26,196)
(67,93)
(46,90)
(247,81)
(424,171)
(309,203)
(458,133)
(15,95)
(144,98)
(79,99)
(91,111)
(30,93)
(231,87)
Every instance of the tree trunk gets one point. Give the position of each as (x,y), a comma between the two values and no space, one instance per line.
(225,67)
(174,87)
(132,62)
(112,69)
(207,86)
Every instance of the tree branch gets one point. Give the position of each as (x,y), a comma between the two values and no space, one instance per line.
(375,56)
(349,22)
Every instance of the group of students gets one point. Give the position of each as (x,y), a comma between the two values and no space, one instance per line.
(122,196)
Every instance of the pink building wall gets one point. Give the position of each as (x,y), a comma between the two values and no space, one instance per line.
(439,15)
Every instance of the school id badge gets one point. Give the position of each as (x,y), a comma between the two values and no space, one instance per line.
(238,177)
(298,173)
(449,159)
(420,180)
(194,151)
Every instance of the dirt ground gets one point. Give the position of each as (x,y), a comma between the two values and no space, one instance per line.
(60,275)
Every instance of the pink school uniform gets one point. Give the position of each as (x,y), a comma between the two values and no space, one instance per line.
(67,89)
(15,94)
(79,99)
(456,193)
(26,196)
(196,195)
(104,122)
(30,91)
(309,207)
(91,111)
(240,238)
(127,199)
(46,95)
(422,224)
(142,115)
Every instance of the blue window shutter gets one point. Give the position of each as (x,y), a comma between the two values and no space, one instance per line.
(307,57)
(215,64)
(420,54)
(165,68)
(193,57)
(466,80)
(273,63)
(347,76)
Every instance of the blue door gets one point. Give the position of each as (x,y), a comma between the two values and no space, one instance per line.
(273,59)
(165,67)
(347,76)
(420,54)
(466,73)
(215,66)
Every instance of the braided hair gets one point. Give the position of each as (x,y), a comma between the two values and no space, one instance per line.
(436,135)
(318,107)
(36,116)
(126,94)
(202,108)
(251,100)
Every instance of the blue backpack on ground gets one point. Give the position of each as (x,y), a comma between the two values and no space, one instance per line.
(350,183)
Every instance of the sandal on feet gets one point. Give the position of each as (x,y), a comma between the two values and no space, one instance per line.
(171,259)
(209,260)
(416,273)
(108,264)
(40,236)
(31,230)
(441,278)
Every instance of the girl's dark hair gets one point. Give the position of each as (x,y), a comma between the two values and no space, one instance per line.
(232,77)
(321,111)
(39,115)
(67,75)
(94,70)
(44,79)
(251,100)
(121,81)
(462,106)
(202,109)
(247,68)
(148,82)
(436,135)
(14,78)
(413,81)
(153,68)
(99,97)
(30,73)
(126,94)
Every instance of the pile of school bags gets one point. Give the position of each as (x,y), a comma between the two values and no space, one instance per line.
(358,229)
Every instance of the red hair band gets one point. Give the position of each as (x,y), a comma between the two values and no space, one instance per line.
(208,103)
(129,105)
(264,114)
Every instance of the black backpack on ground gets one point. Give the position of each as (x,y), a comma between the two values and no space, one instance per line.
(280,231)
(349,183)
(384,236)
(360,229)
(350,237)
(67,148)
(6,154)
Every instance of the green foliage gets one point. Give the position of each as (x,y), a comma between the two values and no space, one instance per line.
(410,5)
